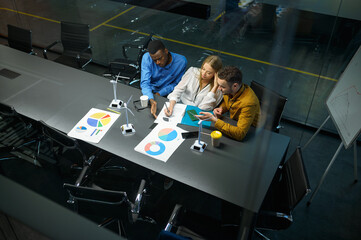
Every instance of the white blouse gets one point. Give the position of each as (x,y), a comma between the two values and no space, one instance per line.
(187,91)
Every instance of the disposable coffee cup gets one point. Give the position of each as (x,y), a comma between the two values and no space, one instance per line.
(144,100)
(216,138)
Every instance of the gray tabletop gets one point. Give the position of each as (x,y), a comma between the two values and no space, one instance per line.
(238,172)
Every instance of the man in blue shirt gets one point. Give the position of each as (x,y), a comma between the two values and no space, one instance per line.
(161,72)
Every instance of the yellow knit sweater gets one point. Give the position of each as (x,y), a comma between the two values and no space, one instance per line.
(244,108)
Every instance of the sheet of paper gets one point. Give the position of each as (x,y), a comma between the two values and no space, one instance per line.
(94,125)
(161,142)
(177,115)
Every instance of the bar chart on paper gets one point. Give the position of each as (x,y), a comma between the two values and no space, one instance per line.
(94,125)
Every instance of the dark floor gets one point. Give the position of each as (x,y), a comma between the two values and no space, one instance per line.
(334,212)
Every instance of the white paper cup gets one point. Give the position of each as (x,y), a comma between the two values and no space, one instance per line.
(216,138)
(144,100)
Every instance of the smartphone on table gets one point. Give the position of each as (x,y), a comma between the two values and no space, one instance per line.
(191,114)
(187,135)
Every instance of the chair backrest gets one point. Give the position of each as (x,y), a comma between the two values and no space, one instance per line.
(20,39)
(272,104)
(144,48)
(7,110)
(100,202)
(284,194)
(141,49)
(294,179)
(61,139)
(74,37)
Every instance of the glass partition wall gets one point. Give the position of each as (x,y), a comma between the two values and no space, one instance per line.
(296,48)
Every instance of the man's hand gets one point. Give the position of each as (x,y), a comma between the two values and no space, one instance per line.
(207,116)
(218,112)
(153,107)
(157,93)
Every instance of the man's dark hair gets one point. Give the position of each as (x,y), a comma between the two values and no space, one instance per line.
(154,46)
(231,74)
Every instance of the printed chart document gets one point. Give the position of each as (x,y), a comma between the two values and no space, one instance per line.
(177,115)
(94,125)
(161,142)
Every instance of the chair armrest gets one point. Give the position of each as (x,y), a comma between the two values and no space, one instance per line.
(87,165)
(82,51)
(275,214)
(123,64)
(173,217)
(112,168)
(138,198)
(135,207)
(48,47)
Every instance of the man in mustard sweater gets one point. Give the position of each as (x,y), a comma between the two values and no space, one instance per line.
(239,100)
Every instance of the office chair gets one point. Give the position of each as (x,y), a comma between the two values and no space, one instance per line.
(76,45)
(112,206)
(186,224)
(11,118)
(284,195)
(125,69)
(272,105)
(14,128)
(47,145)
(20,39)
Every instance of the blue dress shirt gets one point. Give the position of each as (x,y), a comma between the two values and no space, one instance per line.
(162,80)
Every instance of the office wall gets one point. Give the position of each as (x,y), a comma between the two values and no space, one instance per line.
(347,8)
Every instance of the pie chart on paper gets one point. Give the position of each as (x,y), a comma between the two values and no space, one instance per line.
(81,129)
(167,134)
(99,119)
(154,148)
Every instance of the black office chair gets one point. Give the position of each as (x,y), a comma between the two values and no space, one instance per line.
(76,45)
(186,224)
(20,39)
(284,195)
(127,69)
(14,128)
(113,206)
(14,122)
(272,106)
(47,146)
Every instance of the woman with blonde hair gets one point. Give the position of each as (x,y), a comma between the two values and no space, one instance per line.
(198,86)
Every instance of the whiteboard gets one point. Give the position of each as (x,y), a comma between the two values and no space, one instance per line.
(344,102)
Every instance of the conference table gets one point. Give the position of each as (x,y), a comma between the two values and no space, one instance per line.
(238,172)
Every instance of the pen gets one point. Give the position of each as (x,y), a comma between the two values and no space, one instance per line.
(113,110)
(166,107)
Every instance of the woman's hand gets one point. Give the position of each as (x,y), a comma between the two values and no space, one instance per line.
(215,83)
(215,79)
(170,108)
